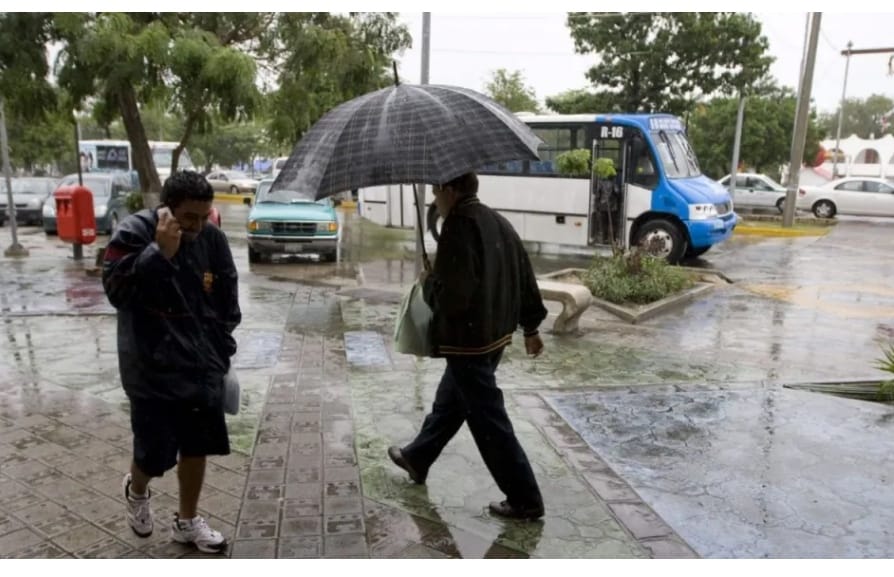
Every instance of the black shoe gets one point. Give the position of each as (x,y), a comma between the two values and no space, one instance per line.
(504,509)
(398,457)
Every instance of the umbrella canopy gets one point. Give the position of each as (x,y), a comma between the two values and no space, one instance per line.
(404,134)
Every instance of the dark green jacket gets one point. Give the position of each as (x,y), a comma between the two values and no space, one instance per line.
(482,288)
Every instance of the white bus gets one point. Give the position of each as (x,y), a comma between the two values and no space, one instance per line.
(115,155)
(657,198)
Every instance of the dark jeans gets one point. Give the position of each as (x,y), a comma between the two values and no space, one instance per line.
(468,393)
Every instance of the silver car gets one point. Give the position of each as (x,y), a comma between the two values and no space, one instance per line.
(231,181)
(756,190)
(29,195)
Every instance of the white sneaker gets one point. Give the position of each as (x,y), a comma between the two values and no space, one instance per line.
(197,532)
(139,512)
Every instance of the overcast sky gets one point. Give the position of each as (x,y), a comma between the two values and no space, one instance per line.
(466,48)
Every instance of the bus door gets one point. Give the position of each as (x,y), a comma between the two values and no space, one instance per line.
(640,179)
(607,190)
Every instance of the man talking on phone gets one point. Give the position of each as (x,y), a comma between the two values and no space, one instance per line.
(170,274)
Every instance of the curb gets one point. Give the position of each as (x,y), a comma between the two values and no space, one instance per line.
(777,232)
(232,198)
(636,315)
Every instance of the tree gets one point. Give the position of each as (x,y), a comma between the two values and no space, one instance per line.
(509,90)
(665,62)
(323,59)
(228,145)
(873,116)
(766,132)
(129,60)
(32,106)
(583,102)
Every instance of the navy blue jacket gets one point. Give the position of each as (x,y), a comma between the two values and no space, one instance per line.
(175,318)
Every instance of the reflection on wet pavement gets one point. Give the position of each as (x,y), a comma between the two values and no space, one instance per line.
(324,394)
(751,471)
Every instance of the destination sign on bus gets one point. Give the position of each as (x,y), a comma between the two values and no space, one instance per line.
(672,124)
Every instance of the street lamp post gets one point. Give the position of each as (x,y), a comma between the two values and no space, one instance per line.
(15,248)
(847,65)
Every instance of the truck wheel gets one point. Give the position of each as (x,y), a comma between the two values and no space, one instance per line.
(662,238)
(253,256)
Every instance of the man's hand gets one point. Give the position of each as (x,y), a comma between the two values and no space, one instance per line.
(167,233)
(533,345)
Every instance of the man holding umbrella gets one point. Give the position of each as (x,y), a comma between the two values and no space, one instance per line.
(481,290)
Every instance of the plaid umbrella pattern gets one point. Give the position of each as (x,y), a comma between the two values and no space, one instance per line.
(404,134)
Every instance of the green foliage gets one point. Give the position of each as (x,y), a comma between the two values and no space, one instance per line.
(766,132)
(605,168)
(886,363)
(634,278)
(24,68)
(665,61)
(583,102)
(509,89)
(324,59)
(229,144)
(574,162)
(134,202)
(577,163)
(862,117)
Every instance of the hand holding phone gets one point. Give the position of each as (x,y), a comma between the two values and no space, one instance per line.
(167,233)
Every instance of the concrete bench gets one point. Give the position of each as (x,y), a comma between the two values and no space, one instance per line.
(575,299)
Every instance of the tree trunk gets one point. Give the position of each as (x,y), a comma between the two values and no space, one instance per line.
(187,133)
(150,185)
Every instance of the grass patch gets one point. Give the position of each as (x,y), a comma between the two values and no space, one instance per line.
(886,364)
(634,278)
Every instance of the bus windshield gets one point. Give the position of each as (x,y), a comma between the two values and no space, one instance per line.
(676,154)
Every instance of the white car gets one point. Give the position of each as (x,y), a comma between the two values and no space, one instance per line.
(854,195)
(756,190)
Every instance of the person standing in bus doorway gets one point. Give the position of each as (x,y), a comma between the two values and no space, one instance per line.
(170,275)
(482,289)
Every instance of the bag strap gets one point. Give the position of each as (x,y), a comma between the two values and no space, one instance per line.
(419,227)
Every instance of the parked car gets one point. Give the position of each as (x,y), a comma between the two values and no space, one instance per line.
(854,195)
(109,189)
(231,181)
(756,191)
(285,222)
(28,195)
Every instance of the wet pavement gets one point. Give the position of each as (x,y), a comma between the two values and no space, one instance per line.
(627,470)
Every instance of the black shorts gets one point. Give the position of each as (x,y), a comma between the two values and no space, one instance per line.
(162,430)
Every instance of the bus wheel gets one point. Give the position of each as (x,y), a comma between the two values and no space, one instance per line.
(433,222)
(663,239)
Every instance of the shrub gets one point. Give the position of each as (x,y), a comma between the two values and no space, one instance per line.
(134,202)
(574,162)
(634,278)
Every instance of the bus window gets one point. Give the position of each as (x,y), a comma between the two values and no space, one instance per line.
(555,142)
(642,168)
(110,157)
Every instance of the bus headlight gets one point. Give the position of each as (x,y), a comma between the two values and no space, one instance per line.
(702,211)
(101,210)
(49,208)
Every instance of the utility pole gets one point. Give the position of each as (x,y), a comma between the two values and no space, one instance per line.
(15,249)
(420,190)
(847,65)
(737,145)
(800,130)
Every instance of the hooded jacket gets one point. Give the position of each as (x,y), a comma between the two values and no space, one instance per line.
(175,317)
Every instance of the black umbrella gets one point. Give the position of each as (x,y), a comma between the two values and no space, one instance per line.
(404,134)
